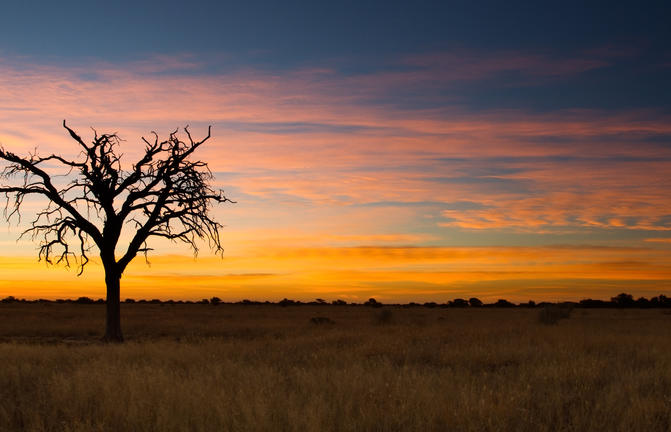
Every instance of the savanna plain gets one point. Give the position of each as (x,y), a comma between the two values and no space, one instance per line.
(196,367)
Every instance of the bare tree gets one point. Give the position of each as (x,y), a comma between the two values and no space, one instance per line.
(165,194)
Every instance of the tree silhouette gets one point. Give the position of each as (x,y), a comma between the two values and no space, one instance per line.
(475,302)
(623,300)
(164,194)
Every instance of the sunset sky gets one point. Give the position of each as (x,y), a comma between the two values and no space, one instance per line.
(407,151)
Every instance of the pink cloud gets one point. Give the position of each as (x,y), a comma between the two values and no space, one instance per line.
(312,135)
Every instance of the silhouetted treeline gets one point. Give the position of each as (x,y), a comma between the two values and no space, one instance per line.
(622,300)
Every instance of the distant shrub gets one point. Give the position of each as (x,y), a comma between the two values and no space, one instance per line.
(661,301)
(503,303)
(129,300)
(384,317)
(8,299)
(84,300)
(475,302)
(623,300)
(373,303)
(286,302)
(643,303)
(552,314)
(339,302)
(214,301)
(459,302)
(590,303)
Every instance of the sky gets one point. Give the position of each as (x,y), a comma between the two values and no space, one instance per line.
(407,151)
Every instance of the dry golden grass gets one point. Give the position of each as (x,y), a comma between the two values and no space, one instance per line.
(267,368)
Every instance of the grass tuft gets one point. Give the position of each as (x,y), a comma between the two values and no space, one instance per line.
(551,315)
(385,316)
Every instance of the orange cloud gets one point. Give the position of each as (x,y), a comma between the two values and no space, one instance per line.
(658,240)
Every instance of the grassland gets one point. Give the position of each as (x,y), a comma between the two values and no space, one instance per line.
(268,368)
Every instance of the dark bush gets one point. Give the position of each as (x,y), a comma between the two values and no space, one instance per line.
(384,317)
(214,301)
(623,300)
(372,303)
(643,302)
(590,303)
(84,300)
(458,302)
(475,302)
(286,302)
(551,314)
(503,303)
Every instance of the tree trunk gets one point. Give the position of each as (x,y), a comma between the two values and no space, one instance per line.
(113,325)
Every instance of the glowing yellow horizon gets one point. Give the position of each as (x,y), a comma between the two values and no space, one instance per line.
(388,273)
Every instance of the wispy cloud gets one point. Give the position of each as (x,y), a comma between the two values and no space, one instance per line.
(300,135)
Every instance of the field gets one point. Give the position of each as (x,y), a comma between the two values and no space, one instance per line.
(269,368)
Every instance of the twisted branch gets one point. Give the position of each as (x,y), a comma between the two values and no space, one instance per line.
(165,194)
